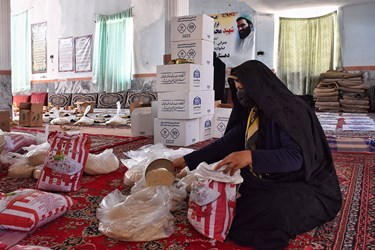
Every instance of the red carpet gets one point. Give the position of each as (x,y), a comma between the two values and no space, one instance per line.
(353,228)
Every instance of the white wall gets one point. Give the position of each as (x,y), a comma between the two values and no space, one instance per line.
(358,35)
(75,18)
(5,35)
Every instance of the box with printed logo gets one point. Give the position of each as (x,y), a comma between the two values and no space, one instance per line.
(206,127)
(200,27)
(184,77)
(221,118)
(173,132)
(197,51)
(185,105)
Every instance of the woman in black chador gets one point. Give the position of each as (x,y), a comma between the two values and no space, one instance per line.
(275,139)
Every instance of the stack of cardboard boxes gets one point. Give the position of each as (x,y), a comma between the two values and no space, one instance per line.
(185,105)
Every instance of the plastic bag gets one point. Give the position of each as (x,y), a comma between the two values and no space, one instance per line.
(117,119)
(142,216)
(2,140)
(57,119)
(84,119)
(37,153)
(139,160)
(103,163)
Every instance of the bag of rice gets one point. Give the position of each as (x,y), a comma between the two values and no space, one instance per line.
(28,209)
(63,166)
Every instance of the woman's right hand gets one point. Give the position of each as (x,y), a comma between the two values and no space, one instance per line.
(179,164)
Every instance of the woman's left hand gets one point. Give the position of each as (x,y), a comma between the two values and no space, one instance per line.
(235,161)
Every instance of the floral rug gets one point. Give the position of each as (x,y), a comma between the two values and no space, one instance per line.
(353,228)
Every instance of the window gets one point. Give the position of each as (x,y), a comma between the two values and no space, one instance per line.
(113,52)
(307,47)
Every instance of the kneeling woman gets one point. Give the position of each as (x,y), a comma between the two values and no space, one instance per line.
(275,139)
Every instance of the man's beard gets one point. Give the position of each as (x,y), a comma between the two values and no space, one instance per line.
(245,32)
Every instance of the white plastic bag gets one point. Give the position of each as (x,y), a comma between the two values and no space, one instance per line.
(139,159)
(84,119)
(103,163)
(2,140)
(117,119)
(142,216)
(57,119)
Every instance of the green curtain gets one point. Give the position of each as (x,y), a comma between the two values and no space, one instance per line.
(307,47)
(113,52)
(21,53)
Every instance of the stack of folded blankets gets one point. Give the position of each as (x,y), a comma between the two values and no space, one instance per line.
(341,91)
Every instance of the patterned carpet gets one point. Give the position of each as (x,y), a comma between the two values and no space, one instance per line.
(353,228)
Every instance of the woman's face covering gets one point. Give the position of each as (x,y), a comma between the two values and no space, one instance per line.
(244,98)
(242,95)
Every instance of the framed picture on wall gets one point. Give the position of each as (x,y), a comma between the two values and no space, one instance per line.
(66,54)
(39,47)
(83,53)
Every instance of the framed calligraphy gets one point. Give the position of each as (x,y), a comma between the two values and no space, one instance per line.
(66,54)
(83,53)
(39,47)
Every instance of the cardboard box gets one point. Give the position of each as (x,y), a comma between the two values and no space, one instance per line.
(206,127)
(185,105)
(31,114)
(176,132)
(199,27)
(142,122)
(81,106)
(4,120)
(198,51)
(184,77)
(221,118)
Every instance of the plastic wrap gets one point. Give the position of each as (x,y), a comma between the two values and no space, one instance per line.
(142,216)
(139,160)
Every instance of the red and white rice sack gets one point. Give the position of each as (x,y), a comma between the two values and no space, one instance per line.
(15,141)
(28,209)
(63,166)
(212,201)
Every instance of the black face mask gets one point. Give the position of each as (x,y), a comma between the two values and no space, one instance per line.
(244,98)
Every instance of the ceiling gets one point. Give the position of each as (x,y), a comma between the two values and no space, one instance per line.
(276,6)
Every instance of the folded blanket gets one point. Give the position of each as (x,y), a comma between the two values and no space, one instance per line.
(350,110)
(336,93)
(325,90)
(352,90)
(354,102)
(332,85)
(348,83)
(327,98)
(327,104)
(353,106)
(339,74)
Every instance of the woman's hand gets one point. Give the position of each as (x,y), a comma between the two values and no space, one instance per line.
(235,161)
(179,164)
